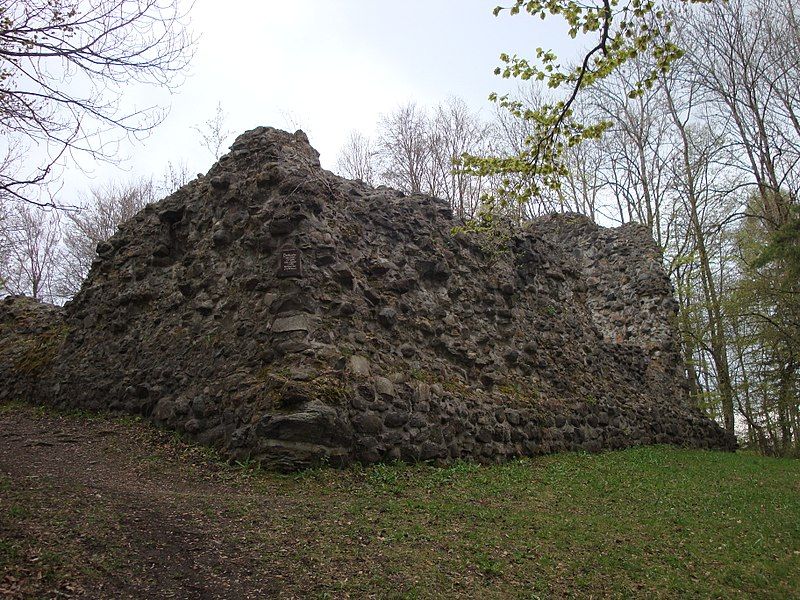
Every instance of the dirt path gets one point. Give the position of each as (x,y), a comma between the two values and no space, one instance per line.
(96,508)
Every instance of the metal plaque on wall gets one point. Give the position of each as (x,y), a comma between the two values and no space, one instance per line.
(290,265)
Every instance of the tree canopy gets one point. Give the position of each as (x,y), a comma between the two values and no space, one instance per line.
(63,67)
(621,31)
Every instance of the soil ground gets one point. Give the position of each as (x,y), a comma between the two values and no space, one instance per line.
(100,515)
(94,506)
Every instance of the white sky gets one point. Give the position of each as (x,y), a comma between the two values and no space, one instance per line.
(327,66)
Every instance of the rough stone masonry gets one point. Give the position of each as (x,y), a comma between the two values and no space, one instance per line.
(284,314)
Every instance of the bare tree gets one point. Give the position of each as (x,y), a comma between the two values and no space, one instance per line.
(63,67)
(581,190)
(31,251)
(404,149)
(105,208)
(696,192)
(749,70)
(357,158)
(639,143)
(175,176)
(213,132)
(5,245)
(455,131)
(742,65)
(418,151)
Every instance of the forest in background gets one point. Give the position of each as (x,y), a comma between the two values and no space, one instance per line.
(706,157)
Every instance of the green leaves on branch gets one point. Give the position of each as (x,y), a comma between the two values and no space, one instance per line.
(623,30)
(783,247)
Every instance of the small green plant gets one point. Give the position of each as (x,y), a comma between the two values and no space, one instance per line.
(452,474)
(491,230)
(455,387)
(422,375)
(284,393)
(385,475)
(17,511)
(510,389)
(248,464)
(126,419)
(489,566)
(39,351)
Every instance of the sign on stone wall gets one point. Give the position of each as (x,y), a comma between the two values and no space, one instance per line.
(290,265)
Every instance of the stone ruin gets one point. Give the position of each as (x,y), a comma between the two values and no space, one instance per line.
(286,315)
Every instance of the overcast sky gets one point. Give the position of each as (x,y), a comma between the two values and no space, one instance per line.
(326,66)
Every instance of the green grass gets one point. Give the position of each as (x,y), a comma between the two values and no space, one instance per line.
(648,522)
(654,522)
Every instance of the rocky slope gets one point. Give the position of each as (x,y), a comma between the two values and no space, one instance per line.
(290,316)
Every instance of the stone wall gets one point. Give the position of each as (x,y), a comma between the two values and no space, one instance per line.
(284,314)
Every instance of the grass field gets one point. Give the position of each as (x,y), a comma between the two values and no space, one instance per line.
(656,522)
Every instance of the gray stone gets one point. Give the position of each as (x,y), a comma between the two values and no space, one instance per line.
(220,236)
(192,426)
(430,450)
(292,323)
(368,423)
(418,420)
(384,387)
(164,410)
(513,417)
(358,365)
(395,419)
(422,393)
(184,317)
(484,436)
(387,317)
(221,182)
(314,422)
(407,350)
